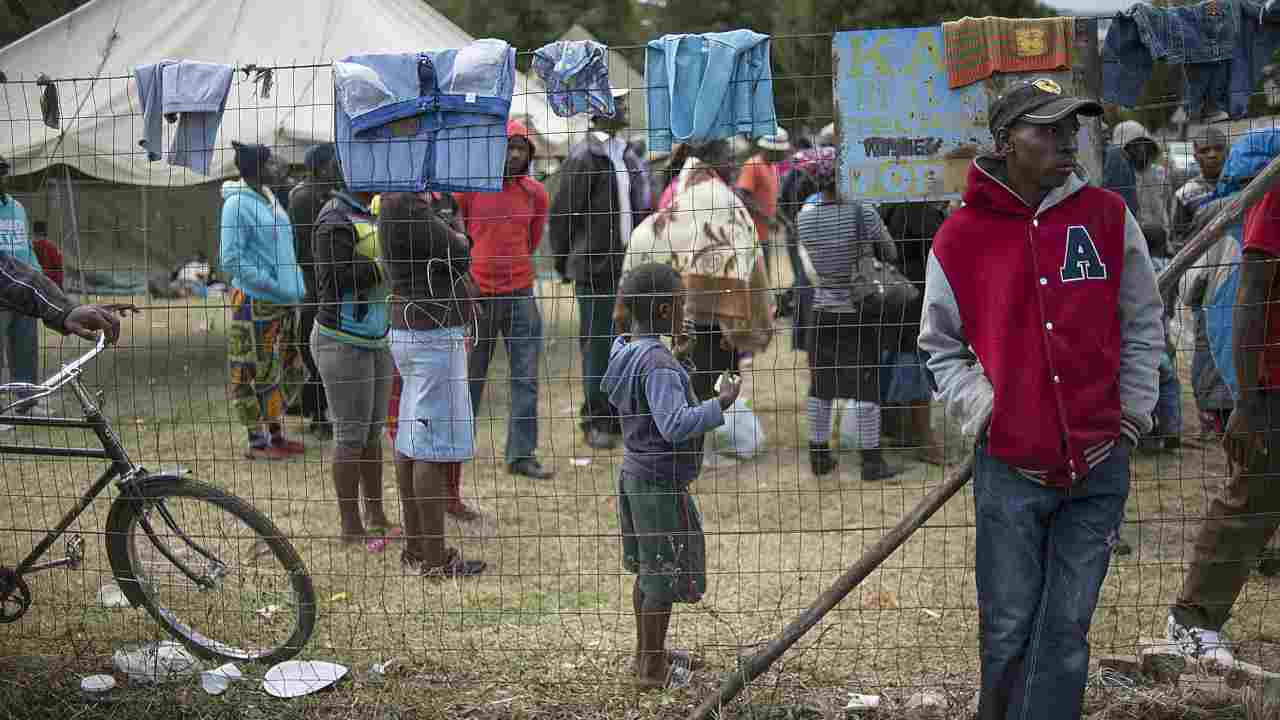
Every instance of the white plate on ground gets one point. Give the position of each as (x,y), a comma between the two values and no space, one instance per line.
(295,678)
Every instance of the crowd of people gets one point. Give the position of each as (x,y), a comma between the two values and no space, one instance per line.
(1030,309)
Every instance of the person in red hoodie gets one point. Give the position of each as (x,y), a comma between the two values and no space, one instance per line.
(1042,330)
(506,228)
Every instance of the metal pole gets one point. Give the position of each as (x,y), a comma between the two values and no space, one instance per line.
(74,224)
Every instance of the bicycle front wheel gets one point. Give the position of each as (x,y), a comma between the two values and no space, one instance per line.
(212,570)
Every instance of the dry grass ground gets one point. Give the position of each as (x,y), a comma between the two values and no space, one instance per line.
(545,632)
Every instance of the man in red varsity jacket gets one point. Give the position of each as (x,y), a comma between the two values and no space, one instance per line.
(1042,331)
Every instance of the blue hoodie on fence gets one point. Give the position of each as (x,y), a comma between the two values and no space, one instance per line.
(708,87)
(256,246)
(409,122)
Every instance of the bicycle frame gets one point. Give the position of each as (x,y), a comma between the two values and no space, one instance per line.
(112,450)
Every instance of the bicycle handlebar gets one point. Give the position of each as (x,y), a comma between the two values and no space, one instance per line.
(62,377)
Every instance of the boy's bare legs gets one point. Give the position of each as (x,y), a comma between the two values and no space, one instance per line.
(653,617)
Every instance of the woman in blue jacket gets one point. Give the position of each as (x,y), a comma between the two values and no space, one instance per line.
(264,345)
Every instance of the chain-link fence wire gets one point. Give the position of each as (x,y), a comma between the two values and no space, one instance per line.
(555,601)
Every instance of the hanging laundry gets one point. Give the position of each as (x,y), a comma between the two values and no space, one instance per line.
(1256,46)
(50,111)
(192,94)
(425,121)
(978,47)
(576,73)
(708,87)
(1223,46)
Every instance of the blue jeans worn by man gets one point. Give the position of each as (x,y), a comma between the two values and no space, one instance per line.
(1042,554)
(595,336)
(21,350)
(517,320)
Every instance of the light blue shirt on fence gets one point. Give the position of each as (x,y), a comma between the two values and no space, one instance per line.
(409,122)
(15,232)
(196,92)
(708,87)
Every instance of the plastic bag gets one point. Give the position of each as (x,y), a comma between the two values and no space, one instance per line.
(741,436)
(850,439)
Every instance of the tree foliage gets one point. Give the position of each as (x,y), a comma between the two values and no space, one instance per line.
(19,17)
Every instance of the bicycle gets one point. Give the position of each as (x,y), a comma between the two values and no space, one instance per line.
(151,553)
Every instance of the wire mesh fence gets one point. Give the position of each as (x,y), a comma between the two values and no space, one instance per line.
(551,618)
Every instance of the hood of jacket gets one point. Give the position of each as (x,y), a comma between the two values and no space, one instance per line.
(240,187)
(1248,156)
(517,129)
(623,372)
(986,191)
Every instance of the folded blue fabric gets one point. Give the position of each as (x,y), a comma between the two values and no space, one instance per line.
(576,73)
(708,87)
(409,122)
(197,93)
(192,93)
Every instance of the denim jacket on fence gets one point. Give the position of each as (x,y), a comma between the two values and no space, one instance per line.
(709,86)
(576,73)
(1223,53)
(424,121)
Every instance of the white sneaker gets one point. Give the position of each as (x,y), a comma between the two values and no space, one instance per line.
(5,428)
(1204,646)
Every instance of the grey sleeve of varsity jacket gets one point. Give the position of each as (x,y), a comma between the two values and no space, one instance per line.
(1141,334)
(953,371)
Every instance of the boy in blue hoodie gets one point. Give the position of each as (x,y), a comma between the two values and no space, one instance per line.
(662,428)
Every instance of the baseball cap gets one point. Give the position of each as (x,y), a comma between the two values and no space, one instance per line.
(1039,102)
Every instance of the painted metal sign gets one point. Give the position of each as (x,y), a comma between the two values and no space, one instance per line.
(897,118)
(905,135)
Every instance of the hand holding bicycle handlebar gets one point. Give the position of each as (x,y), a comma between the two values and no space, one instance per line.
(88,320)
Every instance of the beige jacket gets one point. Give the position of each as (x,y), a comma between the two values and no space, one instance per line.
(708,235)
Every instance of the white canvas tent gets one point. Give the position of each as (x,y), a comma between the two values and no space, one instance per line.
(94,49)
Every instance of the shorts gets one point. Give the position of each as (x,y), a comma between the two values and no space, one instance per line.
(435,419)
(357,383)
(662,540)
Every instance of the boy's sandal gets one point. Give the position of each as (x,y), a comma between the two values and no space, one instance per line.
(673,656)
(680,671)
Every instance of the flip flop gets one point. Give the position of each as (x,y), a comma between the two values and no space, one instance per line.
(673,656)
(680,672)
(377,545)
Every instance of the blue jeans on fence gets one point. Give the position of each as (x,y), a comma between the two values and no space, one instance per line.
(517,319)
(1042,554)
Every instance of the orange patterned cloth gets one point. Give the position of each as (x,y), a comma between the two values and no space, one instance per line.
(978,47)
